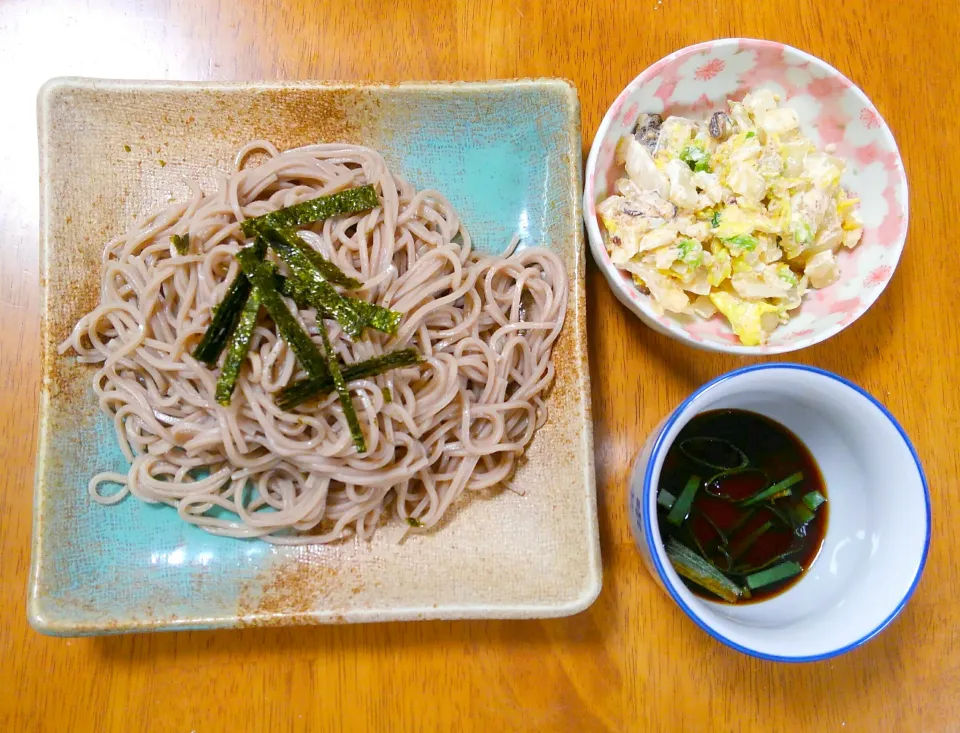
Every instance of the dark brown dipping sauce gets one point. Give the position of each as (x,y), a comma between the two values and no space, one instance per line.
(737,540)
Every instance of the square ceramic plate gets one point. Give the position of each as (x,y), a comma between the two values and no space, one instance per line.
(508,156)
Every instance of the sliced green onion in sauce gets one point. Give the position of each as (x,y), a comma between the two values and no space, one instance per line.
(813,500)
(694,568)
(745,543)
(773,575)
(744,536)
(666,499)
(709,452)
(772,491)
(681,508)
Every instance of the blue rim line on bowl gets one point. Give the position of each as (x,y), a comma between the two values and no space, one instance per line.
(648,526)
(593,228)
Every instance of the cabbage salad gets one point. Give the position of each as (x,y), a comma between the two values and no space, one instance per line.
(741,214)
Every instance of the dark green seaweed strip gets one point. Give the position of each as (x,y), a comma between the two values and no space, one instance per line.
(285,286)
(371,315)
(291,287)
(261,275)
(237,351)
(259,248)
(773,575)
(352,314)
(377,317)
(342,392)
(224,320)
(374,316)
(313,289)
(227,313)
(316,290)
(306,389)
(181,243)
(343,202)
(330,271)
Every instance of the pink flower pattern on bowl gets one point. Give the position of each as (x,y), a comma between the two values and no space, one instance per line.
(700,78)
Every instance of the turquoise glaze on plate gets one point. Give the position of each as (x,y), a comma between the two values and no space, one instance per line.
(500,181)
(507,155)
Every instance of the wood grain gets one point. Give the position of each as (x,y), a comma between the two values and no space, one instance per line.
(632,661)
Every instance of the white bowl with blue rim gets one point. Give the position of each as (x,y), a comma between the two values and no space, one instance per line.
(878,532)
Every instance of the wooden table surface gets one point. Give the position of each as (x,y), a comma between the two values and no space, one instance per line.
(633,661)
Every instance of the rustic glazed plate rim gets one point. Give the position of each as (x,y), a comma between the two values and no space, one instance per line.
(56,623)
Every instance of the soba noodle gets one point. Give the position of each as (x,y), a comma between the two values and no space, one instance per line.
(458,422)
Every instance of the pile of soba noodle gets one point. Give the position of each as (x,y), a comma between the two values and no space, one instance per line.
(459,421)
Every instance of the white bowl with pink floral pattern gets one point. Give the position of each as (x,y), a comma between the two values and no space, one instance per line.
(700,79)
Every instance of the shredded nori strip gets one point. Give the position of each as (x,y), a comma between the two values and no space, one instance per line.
(306,389)
(224,320)
(315,289)
(330,271)
(261,275)
(343,202)
(292,288)
(377,317)
(237,352)
(181,243)
(342,392)
(352,314)
(235,318)
(227,313)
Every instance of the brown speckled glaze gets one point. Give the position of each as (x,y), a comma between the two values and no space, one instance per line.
(496,555)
